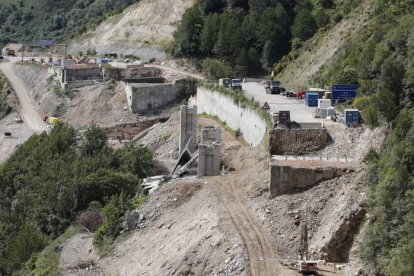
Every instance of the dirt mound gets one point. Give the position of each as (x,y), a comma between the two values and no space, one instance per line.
(143,29)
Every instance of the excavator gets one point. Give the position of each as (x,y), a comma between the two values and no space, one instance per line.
(10,52)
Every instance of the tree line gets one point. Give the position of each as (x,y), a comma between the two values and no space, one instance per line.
(247,37)
(52,178)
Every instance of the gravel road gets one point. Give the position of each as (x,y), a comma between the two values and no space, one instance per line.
(28,111)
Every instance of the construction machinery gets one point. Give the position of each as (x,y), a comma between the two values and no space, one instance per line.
(304,265)
(274,87)
(10,52)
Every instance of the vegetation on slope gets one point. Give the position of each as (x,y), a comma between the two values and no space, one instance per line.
(4,88)
(54,19)
(247,37)
(381,60)
(53,177)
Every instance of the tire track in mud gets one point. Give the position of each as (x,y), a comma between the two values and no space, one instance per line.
(259,249)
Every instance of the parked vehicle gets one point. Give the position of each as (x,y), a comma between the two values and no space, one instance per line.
(236,84)
(10,52)
(290,94)
(274,87)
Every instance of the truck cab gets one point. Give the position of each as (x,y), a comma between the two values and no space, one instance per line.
(236,84)
(274,87)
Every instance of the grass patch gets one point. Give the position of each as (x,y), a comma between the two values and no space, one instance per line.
(236,133)
(47,261)
(166,136)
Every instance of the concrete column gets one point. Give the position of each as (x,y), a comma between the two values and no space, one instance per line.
(209,151)
(208,160)
(188,128)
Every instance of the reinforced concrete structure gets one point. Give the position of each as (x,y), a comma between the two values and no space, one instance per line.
(299,139)
(290,176)
(146,96)
(188,129)
(209,152)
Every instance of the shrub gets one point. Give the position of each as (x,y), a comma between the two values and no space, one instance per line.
(90,219)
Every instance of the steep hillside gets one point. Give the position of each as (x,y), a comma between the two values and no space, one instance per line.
(320,49)
(143,29)
(246,38)
(380,58)
(54,19)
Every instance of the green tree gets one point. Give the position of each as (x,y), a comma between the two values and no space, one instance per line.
(209,33)
(304,26)
(215,69)
(95,141)
(212,6)
(187,35)
(27,241)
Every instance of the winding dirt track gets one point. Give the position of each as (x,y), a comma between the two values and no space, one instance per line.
(262,254)
(27,112)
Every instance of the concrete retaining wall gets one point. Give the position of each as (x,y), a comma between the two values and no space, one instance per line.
(297,141)
(287,179)
(77,84)
(251,125)
(147,96)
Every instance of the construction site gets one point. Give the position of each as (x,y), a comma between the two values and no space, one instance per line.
(238,190)
(249,208)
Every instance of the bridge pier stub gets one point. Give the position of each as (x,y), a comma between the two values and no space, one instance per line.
(188,128)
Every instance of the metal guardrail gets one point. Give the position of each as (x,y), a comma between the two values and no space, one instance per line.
(327,157)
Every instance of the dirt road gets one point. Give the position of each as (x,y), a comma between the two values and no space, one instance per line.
(166,68)
(28,111)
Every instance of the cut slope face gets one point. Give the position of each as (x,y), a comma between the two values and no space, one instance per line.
(320,50)
(143,29)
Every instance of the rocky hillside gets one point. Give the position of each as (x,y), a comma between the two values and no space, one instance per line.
(144,30)
(54,19)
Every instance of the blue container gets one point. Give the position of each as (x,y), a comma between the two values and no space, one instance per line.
(102,61)
(311,99)
(352,117)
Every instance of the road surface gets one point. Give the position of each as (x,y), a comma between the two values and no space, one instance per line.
(28,113)
(299,112)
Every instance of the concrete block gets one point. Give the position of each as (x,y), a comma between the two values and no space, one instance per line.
(210,134)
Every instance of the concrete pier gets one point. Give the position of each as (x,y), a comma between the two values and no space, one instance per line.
(209,152)
(188,129)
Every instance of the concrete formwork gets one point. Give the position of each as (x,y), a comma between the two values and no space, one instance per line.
(298,141)
(293,176)
(188,129)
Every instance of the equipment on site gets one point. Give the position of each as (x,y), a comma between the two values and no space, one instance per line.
(274,87)
(236,84)
(304,265)
(352,118)
(7,133)
(10,52)
(18,118)
(311,99)
(53,120)
(225,82)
